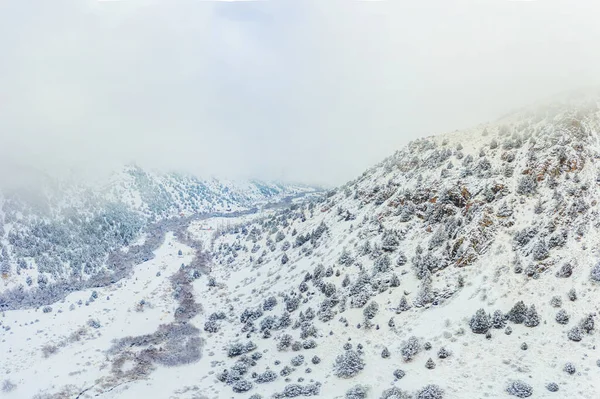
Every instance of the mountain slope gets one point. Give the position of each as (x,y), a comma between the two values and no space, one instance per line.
(463,266)
(479,219)
(67,233)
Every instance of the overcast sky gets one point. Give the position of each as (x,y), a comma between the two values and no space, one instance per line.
(311,91)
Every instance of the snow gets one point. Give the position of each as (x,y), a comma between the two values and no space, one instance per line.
(475,271)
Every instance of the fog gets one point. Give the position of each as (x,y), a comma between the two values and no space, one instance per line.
(308,91)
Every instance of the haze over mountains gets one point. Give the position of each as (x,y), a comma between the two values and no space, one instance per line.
(462,266)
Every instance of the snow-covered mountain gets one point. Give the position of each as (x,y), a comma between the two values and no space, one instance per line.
(465,263)
(61,231)
(463,266)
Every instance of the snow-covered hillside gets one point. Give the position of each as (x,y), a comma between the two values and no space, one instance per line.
(383,280)
(463,266)
(60,235)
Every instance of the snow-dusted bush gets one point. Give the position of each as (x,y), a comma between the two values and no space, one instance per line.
(348,364)
(532,319)
(430,392)
(410,348)
(574,334)
(211,326)
(250,315)
(292,303)
(357,392)
(395,393)
(587,324)
(403,306)
(527,185)
(267,376)
(540,250)
(385,353)
(238,348)
(498,319)
(517,313)
(430,364)
(315,360)
(371,310)
(562,317)
(295,390)
(269,303)
(382,264)
(552,387)
(480,323)
(519,389)
(297,360)
(443,353)
(8,386)
(595,273)
(556,301)
(572,294)
(399,374)
(241,386)
(569,368)
(565,271)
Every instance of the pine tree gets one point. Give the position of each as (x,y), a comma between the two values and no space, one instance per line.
(517,313)
(498,319)
(403,306)
(480,323)
(385,353)
(430,364)
(532,319)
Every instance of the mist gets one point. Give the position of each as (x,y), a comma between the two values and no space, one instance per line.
(304,91)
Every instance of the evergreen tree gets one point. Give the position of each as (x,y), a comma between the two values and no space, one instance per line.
(517,313)
(480,323)
(532,319)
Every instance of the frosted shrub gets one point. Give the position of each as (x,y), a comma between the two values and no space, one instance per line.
(238,348)
(265,377)
(410,349)
(399,374)
(562,317)
(569,368)
(430,392)
(517,313)
(443,353)
(430,364)
(371,310)
(552,387)
(241,386)
(527,185)
(480,323)
(532,319)
(357,392)
(574,334)
(269,303)
(519,389)
(498,319)
(395,393)
(595,273)
(587,324)
(348,364)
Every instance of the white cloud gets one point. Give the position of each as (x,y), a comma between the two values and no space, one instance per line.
(314,90)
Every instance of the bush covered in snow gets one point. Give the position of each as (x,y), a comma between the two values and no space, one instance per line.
(410,349)
(430,392)
(519,389)
(348,364)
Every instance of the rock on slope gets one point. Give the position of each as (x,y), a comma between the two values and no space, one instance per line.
(440,272)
